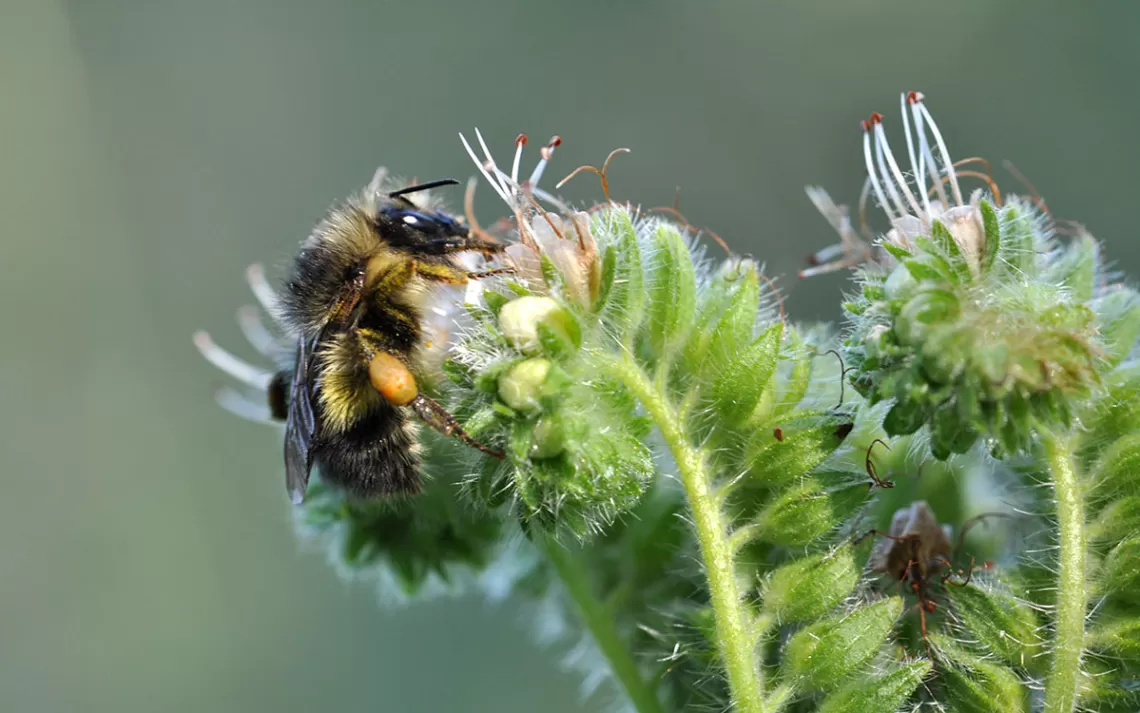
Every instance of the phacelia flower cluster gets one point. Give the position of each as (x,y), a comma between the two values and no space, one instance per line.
(973,317)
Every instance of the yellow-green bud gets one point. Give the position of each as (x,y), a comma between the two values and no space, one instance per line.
(520,387)
(519,320)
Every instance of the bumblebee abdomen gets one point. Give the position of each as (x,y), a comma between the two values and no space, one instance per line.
(379,454)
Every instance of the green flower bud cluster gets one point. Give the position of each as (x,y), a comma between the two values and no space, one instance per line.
(574,442)
(990,348)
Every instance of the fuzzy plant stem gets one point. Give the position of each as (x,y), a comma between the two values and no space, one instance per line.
(1065,670)
(599,621)
(733,633)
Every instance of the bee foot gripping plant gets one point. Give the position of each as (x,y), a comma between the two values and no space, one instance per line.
(697,509)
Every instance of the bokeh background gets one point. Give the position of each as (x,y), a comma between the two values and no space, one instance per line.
(149,151)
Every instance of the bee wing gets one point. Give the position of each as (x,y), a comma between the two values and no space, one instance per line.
(300,425)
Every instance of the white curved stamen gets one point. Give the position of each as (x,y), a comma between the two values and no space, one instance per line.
(242,371)
(255,331)
(881,138)
(262,291)
(927,157)
(483,169)
(915,166)
(871,174)
(519,143)
(545,154)
(884,176)
(239,405)
(494,169)
(864,194)
(948,165)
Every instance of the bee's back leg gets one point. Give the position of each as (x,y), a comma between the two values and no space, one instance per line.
(435,415)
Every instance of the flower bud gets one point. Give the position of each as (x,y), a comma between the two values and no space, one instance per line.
(824,654)
(549,440)
(519,320)
(522,385)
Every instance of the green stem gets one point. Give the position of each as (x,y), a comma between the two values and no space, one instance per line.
(733,633)
(599,620)
(1065,670)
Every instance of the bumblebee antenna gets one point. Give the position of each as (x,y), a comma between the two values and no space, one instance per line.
(423,187)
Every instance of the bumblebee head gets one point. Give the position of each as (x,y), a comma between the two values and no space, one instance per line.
(417,228)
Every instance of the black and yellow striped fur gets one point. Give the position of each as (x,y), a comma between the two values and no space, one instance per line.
(359,287)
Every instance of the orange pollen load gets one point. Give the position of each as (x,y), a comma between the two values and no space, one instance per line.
(392,379)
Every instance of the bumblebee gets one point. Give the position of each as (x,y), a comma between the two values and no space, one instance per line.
(354,308)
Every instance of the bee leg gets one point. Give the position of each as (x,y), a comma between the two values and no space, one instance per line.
(490,273)
(454,276)
(391,377)
(436,416)
(448,246)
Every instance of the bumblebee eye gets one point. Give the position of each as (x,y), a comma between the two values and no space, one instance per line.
(412,227)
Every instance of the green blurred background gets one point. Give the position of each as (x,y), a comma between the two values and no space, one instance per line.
(151,150)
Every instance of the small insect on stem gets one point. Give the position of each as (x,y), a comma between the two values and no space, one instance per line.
(778,433)
(873,472)
(915,547)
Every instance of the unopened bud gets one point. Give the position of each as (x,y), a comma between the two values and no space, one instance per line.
(519,320)
(521,386)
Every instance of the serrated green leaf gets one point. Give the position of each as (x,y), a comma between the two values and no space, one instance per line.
(559,334)
(1103,691)
(1000,623)
(795,386)
(495,301)
(672,291)
(899,253)
(944,240)
(823,655)
(879,694)
(625,305)
(993,236)
(805,513)
(1120,639)
(1017,250)
(550,274)
(928,268)
(1121,578)
(714,299)
(1117,473)
(806,442)
(1078,267)
(733,330)
(1117,521)
(970,684)
(1118,321)
(737,389)
(926,310)
(609,271)
(904,418)
(808,588)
